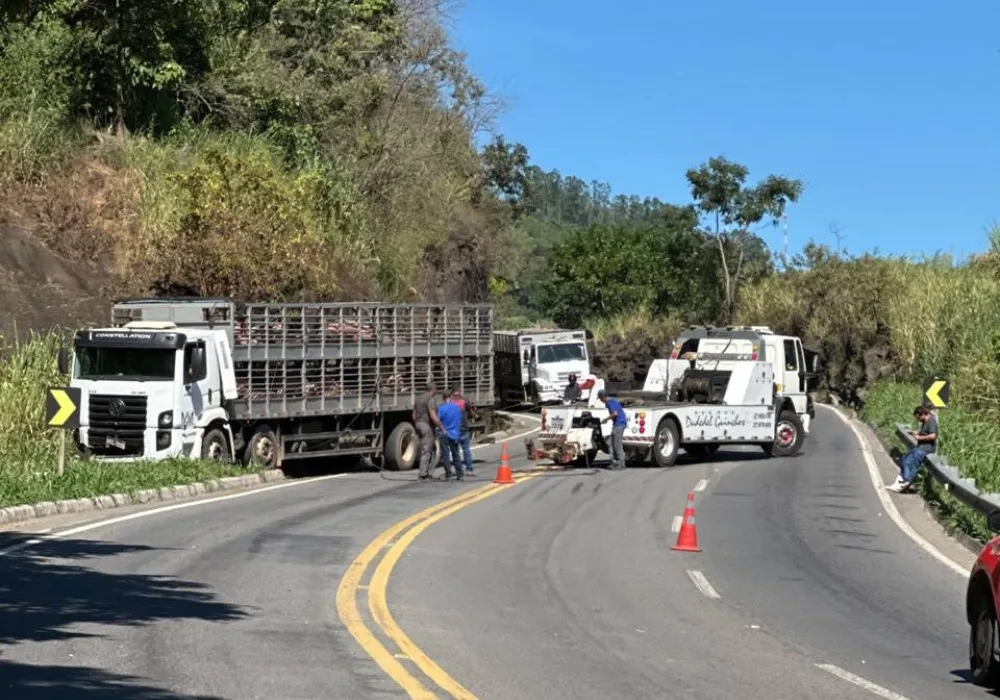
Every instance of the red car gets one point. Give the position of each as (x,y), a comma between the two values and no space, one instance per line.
(981,604)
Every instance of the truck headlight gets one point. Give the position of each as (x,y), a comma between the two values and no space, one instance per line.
(166,419)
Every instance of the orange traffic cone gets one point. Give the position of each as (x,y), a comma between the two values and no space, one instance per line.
(687,538)
(503,471)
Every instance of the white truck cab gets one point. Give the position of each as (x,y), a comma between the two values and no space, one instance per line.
(148,389)
(534,366)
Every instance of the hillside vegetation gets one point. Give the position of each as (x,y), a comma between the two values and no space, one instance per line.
(274,149)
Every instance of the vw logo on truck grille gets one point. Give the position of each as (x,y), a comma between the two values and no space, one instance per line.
(116,408)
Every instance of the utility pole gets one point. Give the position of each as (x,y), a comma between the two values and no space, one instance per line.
(835,229)
(784,217)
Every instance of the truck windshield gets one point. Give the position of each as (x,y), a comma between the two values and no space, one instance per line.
(125,363)
(561,352)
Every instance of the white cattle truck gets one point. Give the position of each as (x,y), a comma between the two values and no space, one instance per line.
(720,386)
(533,366)
(268,383)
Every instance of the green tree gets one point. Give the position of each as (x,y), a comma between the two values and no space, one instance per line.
(602,271)
(720,193)
(129,60)
(505,174)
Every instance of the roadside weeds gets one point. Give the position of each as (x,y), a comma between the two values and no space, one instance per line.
(94,486)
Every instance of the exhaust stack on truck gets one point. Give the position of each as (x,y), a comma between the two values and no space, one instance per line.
(266,383)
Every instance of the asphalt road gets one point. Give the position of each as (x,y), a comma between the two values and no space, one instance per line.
(560,586)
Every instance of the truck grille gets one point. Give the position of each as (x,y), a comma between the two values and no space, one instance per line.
(121,417)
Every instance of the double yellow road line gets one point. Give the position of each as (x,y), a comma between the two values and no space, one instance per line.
(397,538)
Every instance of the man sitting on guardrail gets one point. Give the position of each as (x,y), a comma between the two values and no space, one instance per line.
(926,438)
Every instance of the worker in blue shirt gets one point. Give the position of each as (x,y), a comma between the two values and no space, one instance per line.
(450,415)
(619,421)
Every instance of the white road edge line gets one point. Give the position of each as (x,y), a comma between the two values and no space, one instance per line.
(192,504)
(676,525)
(887,503)
(702,584)
(861,682)
(702,485)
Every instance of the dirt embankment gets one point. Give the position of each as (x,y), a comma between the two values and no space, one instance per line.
(40,290)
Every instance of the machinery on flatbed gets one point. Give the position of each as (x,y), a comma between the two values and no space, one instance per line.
(720,386)
(267,383)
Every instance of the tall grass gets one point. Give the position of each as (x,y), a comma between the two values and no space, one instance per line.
(29,450)
(26,369)
(968,440)
(924,318)
(637,323)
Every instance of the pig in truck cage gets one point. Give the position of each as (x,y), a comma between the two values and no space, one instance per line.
(273,382)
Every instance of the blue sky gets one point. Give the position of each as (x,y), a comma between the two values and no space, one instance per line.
(888,111)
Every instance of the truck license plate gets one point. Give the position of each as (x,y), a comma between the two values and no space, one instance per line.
(112,441)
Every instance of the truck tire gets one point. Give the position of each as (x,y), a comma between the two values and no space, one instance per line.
(262,449)
(788,436)
(666,443)
(215,446)
(402,448)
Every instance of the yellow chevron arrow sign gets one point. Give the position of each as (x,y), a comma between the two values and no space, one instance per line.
(62,408)
(937,392)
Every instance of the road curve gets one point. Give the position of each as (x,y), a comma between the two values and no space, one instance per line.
(566,587)
(561,586)
(233,598)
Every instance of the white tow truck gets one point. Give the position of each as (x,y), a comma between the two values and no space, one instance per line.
(720,386)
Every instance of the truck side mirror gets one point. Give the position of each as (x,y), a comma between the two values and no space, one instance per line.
(63,360)
(198,362)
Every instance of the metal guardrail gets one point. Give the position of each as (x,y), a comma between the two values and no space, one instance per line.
(949,475)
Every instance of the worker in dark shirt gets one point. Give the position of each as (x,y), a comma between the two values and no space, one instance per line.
(425,419)
(571,394)
(618,422)
(926,438)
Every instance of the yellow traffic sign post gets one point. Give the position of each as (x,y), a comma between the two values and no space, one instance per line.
(937,392)
(62,410)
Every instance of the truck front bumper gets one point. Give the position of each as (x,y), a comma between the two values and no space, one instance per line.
(156,444)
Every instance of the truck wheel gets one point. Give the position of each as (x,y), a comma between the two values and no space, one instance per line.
(402,448)
(788,435)
(262,449)
(984,649)
(215,446)
(666,443)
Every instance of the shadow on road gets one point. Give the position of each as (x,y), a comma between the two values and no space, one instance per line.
(965,677)
(48,591)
